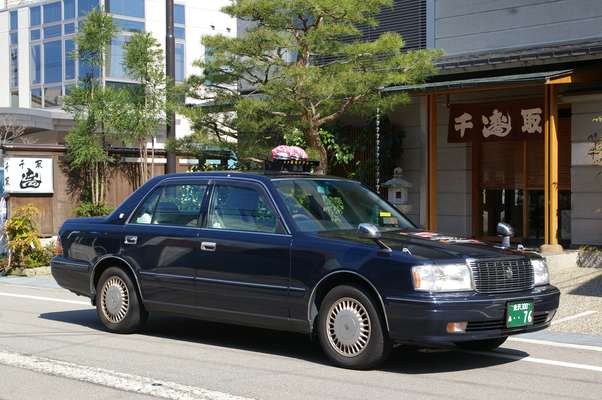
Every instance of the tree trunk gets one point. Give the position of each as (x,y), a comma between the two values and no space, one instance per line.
(312,136)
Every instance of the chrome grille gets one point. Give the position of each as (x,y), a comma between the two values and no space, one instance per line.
(498,276)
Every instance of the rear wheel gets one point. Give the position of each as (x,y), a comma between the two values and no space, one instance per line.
(483,345)
(351,330)
(118,305)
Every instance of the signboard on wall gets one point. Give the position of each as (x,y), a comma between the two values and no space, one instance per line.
(509,120)
(28,175)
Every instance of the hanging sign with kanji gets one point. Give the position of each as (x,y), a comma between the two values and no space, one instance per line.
(28,175)
(509,120)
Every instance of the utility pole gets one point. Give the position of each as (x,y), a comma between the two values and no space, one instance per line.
(170,71)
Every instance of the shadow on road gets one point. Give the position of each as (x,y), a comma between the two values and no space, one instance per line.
(593,287)
(404,359)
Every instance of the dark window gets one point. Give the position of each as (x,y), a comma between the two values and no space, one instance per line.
(241,208)
(35,34)
(69,61)
(36,64)
(36,97)
(116,58)
(180,52)
(52,31)
(172,205)
(69,9)
(69,28)
(52,12)
(180,33)
(14,67)
(14,20)
(85,6)
(179,14)
(129,26)
(52,97)
(34,16)
(129,8)
(53,54)
(406,17)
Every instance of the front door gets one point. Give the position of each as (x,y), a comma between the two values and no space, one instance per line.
(245,266)
(161,238)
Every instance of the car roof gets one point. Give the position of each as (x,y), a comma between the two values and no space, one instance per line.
(259,175)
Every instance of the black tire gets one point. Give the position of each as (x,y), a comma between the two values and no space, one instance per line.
(131,315)
(482,345)
(373,348)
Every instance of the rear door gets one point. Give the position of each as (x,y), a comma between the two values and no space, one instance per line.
(161,238)
(245,266)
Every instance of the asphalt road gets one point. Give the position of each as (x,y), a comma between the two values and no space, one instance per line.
(53,347)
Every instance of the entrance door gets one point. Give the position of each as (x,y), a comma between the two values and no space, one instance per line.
(511,186)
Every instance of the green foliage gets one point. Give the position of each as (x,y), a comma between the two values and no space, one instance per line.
(23,235)
(88,209)
(40,257)
(94,108)
(144,109)
(302,65)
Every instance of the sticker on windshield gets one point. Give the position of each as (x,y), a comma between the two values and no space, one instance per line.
(384,214)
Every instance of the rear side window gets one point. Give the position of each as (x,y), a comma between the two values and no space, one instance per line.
(241,208)
(178,205)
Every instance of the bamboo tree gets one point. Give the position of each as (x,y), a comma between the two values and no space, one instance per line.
(144,113)
(93,106)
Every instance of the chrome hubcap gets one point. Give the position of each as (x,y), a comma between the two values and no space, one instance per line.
(115,299)
(348,327)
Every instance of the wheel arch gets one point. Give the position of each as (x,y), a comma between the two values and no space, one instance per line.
(112,261)
(337,278)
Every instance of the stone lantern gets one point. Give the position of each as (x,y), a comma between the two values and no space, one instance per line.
(397,191)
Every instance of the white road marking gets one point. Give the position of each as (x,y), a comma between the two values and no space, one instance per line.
(25,296)
(583,314)
(557,344)
(113,379)
(536,360)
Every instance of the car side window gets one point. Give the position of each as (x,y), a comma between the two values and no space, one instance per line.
(178,205)
(241,208)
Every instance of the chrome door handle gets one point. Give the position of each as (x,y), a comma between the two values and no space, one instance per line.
(208,246)
(129,239)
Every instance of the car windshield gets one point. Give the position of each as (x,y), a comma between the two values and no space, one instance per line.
(318,205)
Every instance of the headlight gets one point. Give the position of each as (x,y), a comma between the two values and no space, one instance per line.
(442,278)
(540,271)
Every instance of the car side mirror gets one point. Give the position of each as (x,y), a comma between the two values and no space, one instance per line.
(506,232)
(371,231)
(368,231)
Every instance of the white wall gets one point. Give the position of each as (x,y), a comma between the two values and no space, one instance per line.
(586,181)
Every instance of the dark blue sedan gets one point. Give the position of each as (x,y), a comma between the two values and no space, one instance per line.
(304,253)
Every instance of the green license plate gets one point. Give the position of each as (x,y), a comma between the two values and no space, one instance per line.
(519,313)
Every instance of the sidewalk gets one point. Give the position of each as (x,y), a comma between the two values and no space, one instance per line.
(581,290)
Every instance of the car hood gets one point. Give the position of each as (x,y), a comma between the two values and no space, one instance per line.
(430,245)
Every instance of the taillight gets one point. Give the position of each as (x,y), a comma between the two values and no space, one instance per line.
(58,247)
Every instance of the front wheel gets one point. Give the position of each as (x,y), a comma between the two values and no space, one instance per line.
(117,304)
(350,329)
(482,345)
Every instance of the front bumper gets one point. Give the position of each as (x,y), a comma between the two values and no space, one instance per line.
(423,319)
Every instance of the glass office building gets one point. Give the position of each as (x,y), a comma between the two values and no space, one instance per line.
(51,46)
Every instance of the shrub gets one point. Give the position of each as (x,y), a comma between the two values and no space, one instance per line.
(23,236)
(88,209)
(39,257)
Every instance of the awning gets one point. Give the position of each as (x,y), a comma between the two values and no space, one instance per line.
(534,78)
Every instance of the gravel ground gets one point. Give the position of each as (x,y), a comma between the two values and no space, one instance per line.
(581,292)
